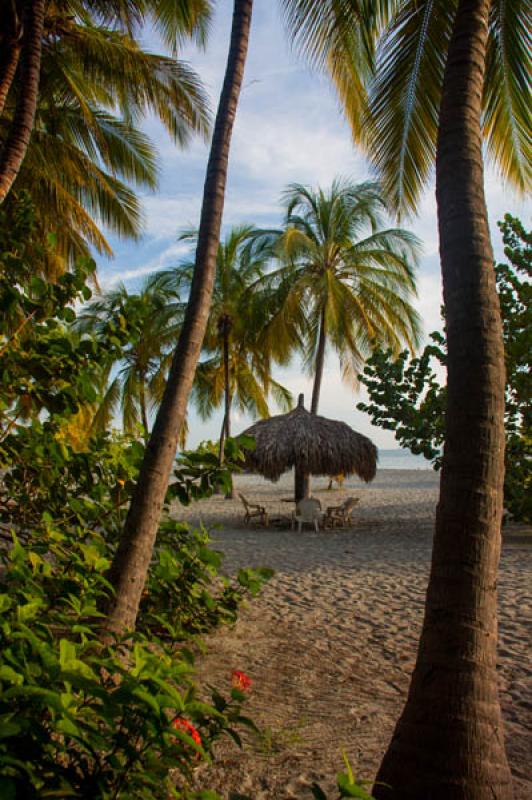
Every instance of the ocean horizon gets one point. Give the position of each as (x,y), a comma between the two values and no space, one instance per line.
(397,458)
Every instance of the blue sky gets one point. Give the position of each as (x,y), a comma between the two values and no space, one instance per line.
(288,128)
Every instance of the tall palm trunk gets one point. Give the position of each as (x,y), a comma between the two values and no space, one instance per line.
(17,141)
(143,409)
(227,391)
(130,565)
(225,326)
(9,59)
(320,361)
(449,740)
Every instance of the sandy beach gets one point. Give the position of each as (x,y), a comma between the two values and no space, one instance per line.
(330,643)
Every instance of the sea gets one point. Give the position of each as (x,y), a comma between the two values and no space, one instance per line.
(401,459)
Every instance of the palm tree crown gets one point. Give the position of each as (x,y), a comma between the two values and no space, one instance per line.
(96,82)
(236,365)
(150,322)
(346,280)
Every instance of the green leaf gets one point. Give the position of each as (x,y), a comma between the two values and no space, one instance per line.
(5,603)
(9,674)
(8,729)
(349,789)
(67,653)
(29,610)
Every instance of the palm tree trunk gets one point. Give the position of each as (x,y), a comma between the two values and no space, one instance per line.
(224,327)
(227,393)
(320,361)
(8,66)
(449,740)
(143,410)
(130,565)
(17,141)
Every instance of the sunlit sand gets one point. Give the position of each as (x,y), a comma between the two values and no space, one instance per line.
(330,643)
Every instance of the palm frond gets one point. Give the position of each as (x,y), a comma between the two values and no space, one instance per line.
(338,37)
(402,124)
(507,95)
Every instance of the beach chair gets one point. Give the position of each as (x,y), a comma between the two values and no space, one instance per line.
(307,511)
(340,516)
(253,510)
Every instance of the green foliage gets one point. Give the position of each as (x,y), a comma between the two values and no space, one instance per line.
(50,477)
(49,377)
(514,283)
(96,83)
(200,474)
(84,719)
(406,397)
(185,595)
(401,129)
(24,296)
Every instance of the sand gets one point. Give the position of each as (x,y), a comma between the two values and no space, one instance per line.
(330,643)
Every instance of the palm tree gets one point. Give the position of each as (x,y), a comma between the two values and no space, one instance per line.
(80,148)
(150,321)
(347,279)
(449,75)
(130,564)
(237,363)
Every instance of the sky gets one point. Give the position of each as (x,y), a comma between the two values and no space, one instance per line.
(289,128)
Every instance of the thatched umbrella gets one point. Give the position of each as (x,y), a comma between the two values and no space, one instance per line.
(312,445)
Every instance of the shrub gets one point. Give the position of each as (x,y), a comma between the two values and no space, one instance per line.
(82,718)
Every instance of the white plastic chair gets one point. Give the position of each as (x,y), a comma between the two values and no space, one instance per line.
(307,511)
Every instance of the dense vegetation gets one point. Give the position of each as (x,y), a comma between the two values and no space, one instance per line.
(405,395)
(83,715)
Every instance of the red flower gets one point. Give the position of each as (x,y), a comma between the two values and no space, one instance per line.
(240,680)
(180,724)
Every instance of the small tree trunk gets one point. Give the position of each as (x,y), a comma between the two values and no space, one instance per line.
(320,361)
(8,66)
(18,139)
(449,742)
(130,565)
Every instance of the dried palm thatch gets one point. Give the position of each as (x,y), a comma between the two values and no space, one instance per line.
(311,444)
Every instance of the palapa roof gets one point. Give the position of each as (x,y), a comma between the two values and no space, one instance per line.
(318,445)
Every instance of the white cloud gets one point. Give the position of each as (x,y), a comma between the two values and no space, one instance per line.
(167,258)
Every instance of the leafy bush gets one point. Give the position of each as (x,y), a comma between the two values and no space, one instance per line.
(185,595)
(406,397)
(82,718)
